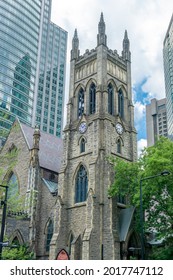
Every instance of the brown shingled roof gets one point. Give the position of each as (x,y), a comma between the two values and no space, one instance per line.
(51,148)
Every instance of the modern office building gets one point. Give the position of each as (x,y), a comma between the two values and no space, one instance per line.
(156,120)
(32,65)
(168,73)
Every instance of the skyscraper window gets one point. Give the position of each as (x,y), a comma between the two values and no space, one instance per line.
(168,73)
(27,39)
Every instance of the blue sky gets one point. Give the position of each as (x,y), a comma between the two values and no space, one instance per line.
(146,23)
(140,97)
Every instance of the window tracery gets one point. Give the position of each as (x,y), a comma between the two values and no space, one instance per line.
(80,102)
(120,103)
(81,185)
(13,186)
(92,99)
(110,99)
(49,235)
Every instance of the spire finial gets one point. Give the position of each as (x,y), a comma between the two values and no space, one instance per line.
(75,45)
(75,33)
(101,17)
(126,42)
(34,157)
(126,46)
(101,25)
(125,35)
(101,37)
(36,137)
(75,41)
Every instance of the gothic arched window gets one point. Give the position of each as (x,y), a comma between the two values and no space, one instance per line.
(81,185)
(82,145)
(121,199)
(13,186)
(110,99)
(15,241)
(49,235)
(70,243)
(80,102)
(92,99)
(120,103)
(119,146)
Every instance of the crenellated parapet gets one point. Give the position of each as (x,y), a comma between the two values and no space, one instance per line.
(87,55)
(87,64)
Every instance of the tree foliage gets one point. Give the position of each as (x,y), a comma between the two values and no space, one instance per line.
(157,192)
(162,252)
(22,252)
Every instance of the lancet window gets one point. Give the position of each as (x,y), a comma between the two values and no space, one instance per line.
(110,99)
(80,102)
(120,103)
(81,185)
(92,98)
(49,235)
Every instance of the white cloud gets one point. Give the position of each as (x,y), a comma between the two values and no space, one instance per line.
(139,111)
(139,116)
(142,143)
(155,84)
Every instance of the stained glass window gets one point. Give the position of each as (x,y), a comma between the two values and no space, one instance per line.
(81,185)
(119,146)
(13,189)
(82,145)
(110,99)
(92,98)
(49,235)
(80,103)
(120,103)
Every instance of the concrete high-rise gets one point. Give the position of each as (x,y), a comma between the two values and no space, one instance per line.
(168,73)
(32,65)
(156,120)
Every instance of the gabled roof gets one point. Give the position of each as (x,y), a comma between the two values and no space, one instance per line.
(51,148)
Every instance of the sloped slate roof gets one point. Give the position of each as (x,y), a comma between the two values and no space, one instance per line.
(125,220)
(51,148)
(52,186)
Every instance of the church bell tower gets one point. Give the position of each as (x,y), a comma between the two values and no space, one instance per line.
(100,123)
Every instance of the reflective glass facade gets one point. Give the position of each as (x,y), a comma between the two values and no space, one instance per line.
(19,37)
(168,72)
(51,89)
(32,65)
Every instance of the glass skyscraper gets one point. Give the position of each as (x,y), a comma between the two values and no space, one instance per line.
(32,65)
(168,73)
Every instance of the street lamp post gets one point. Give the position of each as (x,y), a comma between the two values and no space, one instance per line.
(164,173)
(4,203)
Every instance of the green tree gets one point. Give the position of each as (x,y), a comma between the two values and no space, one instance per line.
(22,252)
(157,192)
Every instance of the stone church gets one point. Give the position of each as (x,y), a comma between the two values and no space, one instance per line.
(65,184)
(88,224)
(30,161)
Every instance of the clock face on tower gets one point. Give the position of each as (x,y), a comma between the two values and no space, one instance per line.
(82,127)
(119,128)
